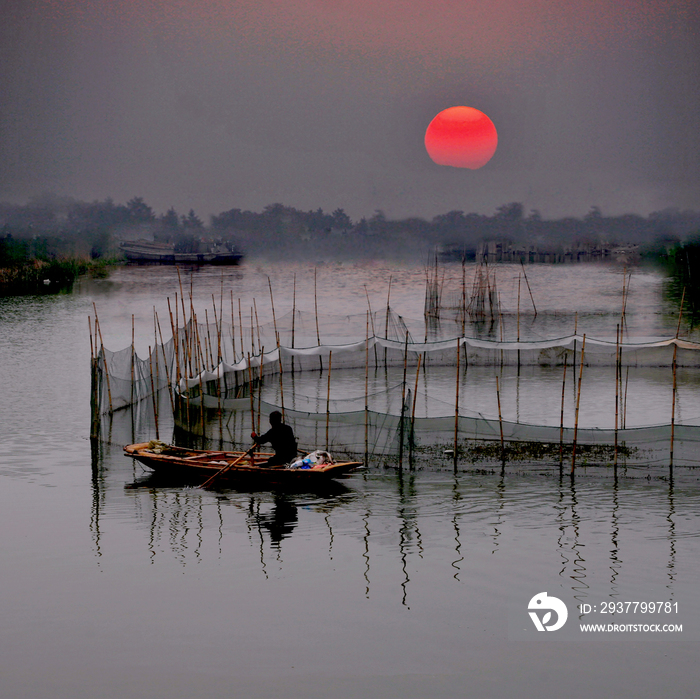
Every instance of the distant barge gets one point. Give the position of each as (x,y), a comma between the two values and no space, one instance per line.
(143,251)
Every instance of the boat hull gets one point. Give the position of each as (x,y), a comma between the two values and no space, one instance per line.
(201,464)
(164,254)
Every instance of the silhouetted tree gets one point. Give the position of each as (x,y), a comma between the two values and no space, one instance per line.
(341,220)
(139,212)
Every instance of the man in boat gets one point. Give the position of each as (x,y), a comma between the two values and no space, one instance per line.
(281,437)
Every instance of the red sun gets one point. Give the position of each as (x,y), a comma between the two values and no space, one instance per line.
(461,137)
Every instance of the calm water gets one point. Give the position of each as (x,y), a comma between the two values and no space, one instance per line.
(416,586)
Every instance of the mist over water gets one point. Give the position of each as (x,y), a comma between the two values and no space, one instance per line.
(390,584)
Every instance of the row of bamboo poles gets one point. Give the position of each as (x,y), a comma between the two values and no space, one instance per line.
(196,351)
(484,301)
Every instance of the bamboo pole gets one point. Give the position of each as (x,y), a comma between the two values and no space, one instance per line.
(428,303)
(249,371)
(518,331)
(181,362)
(528,288)
(250,391)
(233,331)
(195,343)
(371,320)
(180,341)
(573,356)
(257,325)
(415,395)
(240,327)
(456,408)
(192,311)
(92,346)
(208,339)
(176,343)
(186,326)
(442,286)
(501,325)
(500,420)
(217,325)
(369,306)
(221,299)
(192,336)
(294,313)
(131,397)
(165,366)
(618,358)
(294,310)
(622,309)
(176,323)
(673,406)
(153,391)
(216,328)
(184,317)
(200,360)
(328,396)
(260,384)
(367,390)
(95,409)
(318,333)
(561,417)
(189,345)
(578,402)
(104,357)
(464,295)
(279,357)
(518,316)
(386,320)
(155,349)
(252,334)
(274,317)
(403,401)
(680,315)
(625,296)
(386,326)
(675,384)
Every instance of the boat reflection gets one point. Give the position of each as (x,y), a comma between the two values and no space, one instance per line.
(280,522)
(151,481)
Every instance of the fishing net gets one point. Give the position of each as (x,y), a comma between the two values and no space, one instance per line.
(369,386)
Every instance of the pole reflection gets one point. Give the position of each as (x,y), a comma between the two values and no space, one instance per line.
(405,524)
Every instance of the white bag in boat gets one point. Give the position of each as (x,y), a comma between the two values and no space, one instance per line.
(315,458)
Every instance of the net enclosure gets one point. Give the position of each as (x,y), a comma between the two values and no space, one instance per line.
(367,386)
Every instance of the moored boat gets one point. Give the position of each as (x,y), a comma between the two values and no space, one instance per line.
(233,465)
(143,251)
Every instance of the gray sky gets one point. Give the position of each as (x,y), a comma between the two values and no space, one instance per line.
(216,104)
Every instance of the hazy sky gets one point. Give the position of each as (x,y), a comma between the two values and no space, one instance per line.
(216,104)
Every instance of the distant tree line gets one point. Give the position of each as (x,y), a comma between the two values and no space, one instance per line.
(52,226)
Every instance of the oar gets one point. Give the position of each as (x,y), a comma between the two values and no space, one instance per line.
(231,465)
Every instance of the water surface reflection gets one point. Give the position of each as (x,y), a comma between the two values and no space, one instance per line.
(417,531)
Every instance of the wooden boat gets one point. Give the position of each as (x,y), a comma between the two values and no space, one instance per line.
(200,463)
(143,251)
